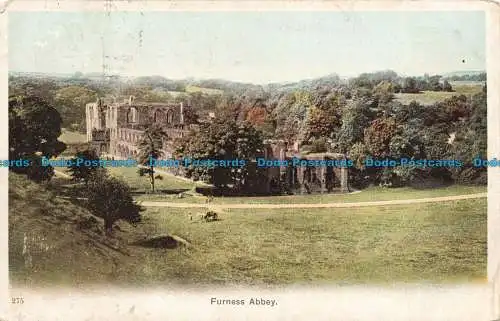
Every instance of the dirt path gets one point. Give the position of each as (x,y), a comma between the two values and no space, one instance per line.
(305,205)
(316,205)
(61,174)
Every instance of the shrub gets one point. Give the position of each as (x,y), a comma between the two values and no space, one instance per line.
(110,199)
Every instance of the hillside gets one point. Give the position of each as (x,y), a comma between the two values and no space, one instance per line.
(64,242)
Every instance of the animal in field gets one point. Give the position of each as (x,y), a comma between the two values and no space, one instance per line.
(207,217)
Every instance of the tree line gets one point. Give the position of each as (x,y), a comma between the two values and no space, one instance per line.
(359,117)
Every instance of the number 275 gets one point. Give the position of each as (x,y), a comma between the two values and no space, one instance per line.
(17,300)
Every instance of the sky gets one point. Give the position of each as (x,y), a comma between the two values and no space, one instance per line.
(258,47)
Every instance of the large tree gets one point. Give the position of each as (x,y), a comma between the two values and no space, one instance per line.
(378,136)
(355,118)
(34,128)
(110,199)
(222,140)
(324,119)
(84,173)
(150,149)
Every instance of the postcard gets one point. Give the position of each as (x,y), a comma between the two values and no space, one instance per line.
(320,160)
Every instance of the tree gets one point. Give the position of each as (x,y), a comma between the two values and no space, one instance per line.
(291,114)
(384,92)
(222,140)
(110,199)
(249,143)
(151,148)
(323,118)
(34,128)
(471,141)
(256,116)
(456,107)
(378,136)
(355,117)
(447,86)
(70,101)
(83,173)
(410,85)
(434,84)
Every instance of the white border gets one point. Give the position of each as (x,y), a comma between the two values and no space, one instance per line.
(4,154)
(474,302)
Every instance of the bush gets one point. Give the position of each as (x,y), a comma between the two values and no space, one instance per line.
(471,176)
(319,145)
(110,199)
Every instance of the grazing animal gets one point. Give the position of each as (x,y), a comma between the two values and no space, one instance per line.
(207,217)
(210,216)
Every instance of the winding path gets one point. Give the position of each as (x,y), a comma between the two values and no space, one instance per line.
(315,205)
(305,205)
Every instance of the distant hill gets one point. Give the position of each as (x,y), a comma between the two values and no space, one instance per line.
(463,73)
(220,86)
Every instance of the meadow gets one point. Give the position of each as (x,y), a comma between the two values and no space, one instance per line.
(72,137)
(435,242)
(440,242)
(431,97)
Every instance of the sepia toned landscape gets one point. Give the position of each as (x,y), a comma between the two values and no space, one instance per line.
(332,90)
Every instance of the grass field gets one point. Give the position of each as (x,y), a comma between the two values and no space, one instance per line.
(169,187)
(72,137)
(431,97)
(168,183)
(437,242)
(366,195)
(443,242)
(208,91)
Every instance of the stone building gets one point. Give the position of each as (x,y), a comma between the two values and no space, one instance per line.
(114,129)
(304,179)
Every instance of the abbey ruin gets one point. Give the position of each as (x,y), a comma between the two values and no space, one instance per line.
(114,129)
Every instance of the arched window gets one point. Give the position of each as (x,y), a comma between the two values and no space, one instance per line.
(158,116)
(132,115)
(170,117)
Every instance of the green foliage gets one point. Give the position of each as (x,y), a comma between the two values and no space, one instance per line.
(291,115)
(319,145)
(222,139)
(471,141)
(447,86)
(36,172)
(151,147)
(83,173)
(410,85)
(324,119)
(70,103)
(384,92)
(110,199)
(313,111)
(358,154)
(34,128)
(378,137)
(469,77)
(355,118)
